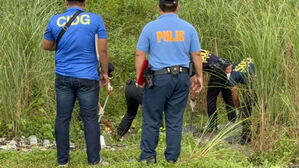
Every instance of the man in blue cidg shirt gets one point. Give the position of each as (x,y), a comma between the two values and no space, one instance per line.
(170,42)
(77,75)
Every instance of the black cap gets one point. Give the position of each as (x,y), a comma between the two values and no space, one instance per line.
(110,69)
(173,2)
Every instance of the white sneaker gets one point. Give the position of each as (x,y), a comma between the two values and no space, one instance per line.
(101,162)
(63,165)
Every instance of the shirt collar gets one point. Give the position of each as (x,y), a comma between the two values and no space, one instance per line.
(168,15)
(74,8)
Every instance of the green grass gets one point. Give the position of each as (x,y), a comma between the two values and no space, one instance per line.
(195,153)
(221,156)
(126,153)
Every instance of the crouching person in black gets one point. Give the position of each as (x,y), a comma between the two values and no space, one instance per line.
(242,77)
(134,96)
(218,68)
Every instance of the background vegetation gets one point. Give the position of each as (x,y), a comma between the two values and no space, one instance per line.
(265,30)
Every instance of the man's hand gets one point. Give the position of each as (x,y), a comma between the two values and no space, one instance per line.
(104,79)
(140,86)
(196,83)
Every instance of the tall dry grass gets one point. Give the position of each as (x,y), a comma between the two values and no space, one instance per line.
(26,70)
(266,31)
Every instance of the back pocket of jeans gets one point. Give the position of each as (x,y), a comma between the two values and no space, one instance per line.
(87,84)
(59,82)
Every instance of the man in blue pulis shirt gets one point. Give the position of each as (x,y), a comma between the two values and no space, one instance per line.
(170,42)
(77,75)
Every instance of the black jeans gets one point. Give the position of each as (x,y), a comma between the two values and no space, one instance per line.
(216,85)
(134,96)
(67,91)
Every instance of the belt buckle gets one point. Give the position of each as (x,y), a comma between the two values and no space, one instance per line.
(175,70)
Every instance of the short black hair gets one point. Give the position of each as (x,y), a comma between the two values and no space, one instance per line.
(168,5)
(168,8)
(72,2)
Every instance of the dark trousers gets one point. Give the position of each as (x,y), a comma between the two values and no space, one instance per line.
(215,86)
(87,92)
(134,96)
(169,94)
(246,110)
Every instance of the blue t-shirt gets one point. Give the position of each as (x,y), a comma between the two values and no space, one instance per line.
(76,53)
(169,41)
(241,73)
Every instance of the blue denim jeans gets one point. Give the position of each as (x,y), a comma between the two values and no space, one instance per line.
(68,89)
(169,94)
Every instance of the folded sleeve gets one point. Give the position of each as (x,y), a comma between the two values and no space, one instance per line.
(195,44)
(143,42)
(102,33)
(48,35)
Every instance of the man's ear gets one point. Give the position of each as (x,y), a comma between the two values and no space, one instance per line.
(84,4)
(178,8)
(159,9)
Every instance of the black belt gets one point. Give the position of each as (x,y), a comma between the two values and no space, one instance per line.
(175,70)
